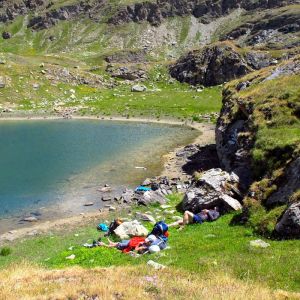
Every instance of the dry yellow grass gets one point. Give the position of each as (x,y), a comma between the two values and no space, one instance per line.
(30,282)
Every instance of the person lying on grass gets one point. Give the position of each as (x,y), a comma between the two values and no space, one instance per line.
(191,218)
(138,244)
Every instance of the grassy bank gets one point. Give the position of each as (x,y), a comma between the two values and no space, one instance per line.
(211,248)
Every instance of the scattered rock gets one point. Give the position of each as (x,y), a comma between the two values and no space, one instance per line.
(112,208)
(71,257)
(2,82)
(30,219)
(105,189)
(106,198)
(243,85)
(259,244)
(147,218)
(89,204)
(155,265)
(6,35)
(138,88)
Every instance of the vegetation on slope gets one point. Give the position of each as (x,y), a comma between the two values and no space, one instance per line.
(271,106)
(209,249)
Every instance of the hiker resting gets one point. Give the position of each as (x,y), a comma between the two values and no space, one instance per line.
(191,218)
(138,244)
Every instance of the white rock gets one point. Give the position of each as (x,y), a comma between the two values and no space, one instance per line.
(129,229)
(148,218)
(259,244)
(233,203)
(155,265)
(138,88)
(164,206)
(71,257)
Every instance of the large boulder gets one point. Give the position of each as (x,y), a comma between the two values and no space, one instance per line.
(289,224)
(211,65)
(215,188)
(129,229)
(149,197)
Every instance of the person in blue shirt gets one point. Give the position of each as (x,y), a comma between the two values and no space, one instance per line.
(204,215)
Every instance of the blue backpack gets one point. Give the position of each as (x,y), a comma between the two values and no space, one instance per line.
(160,230)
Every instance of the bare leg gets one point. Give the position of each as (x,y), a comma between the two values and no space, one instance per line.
(187,219)
(177,223)
(110,245)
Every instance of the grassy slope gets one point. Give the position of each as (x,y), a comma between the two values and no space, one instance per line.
(212,248)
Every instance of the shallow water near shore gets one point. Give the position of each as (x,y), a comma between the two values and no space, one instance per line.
(51,168)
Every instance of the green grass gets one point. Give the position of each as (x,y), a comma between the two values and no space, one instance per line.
(161,100)
(202,248)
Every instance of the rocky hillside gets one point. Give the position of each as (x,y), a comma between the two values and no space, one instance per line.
(258,138)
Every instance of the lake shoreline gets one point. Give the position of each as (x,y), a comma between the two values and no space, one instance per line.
(171,168)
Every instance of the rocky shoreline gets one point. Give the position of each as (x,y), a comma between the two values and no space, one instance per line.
(112,201)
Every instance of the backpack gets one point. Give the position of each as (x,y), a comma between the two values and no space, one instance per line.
(113,225)
(160,230)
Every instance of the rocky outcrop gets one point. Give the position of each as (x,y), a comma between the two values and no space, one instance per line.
(126,73)
(152,12)
(276,29)
(63,13)
(234,139)
(214,188)
(289,185)
(155,12)
(124,57)
(210,65)
(273,175)
(289,224)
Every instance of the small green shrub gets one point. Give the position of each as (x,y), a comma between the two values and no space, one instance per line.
(5,251)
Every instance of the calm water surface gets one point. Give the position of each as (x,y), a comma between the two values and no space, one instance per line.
(61,163)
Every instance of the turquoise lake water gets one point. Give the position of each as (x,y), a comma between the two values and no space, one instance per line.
(61,163)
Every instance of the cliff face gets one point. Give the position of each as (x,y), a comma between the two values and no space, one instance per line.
(257,137)
(210,65)
(155,12)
